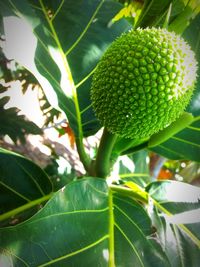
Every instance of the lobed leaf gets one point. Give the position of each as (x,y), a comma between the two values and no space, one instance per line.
(14,125)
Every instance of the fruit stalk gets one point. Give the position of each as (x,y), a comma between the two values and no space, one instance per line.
(82,154)
(103,162)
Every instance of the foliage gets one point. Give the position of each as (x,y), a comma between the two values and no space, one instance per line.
(11,71)
(15,125)
(126,219)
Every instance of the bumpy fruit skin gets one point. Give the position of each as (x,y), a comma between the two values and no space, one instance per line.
(143,82)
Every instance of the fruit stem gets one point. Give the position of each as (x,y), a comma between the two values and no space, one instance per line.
(103,162)
(82,154)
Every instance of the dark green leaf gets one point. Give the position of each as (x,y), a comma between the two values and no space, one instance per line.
(21,181)
(66,36)
(178,221)
(152,12)
(133,235)
(183,145)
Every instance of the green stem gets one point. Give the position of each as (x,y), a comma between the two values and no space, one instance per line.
(103,163)
(29,205)
(82,154)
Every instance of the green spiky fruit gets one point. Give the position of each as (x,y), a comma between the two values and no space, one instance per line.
(143,82)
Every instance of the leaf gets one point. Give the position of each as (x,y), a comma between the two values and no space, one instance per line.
(178,220)
(21,182)
(67,45)
(183,145)
(130,11)
(188,10)
(92,226)
(14,125)
(184,120)
(190,173)
(152,12)
(133,236)
(134,168)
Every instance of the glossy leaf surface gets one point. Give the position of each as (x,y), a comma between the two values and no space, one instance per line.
(84,224)
(178,220)
(21,181)
(69,39)
(183,145)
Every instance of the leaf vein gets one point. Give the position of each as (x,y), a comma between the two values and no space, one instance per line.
(75,252)
(86,28)
(185,141)
(58,10)
(15,192)
(129,242)
(68,213)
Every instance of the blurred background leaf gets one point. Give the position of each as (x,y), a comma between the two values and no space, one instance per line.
(14,125)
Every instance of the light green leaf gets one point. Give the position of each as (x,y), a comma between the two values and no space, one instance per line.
(188,10)
(21,183)
(175,127)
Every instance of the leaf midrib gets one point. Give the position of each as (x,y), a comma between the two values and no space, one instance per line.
(67,69)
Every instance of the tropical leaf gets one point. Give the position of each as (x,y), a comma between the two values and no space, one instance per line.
(152,12)
(182,13)
(65,50)
(92,226)
(14,125)
(183,145)
(22,184)
(177,219)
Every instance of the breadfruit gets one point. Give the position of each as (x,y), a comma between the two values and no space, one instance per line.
(143,82)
